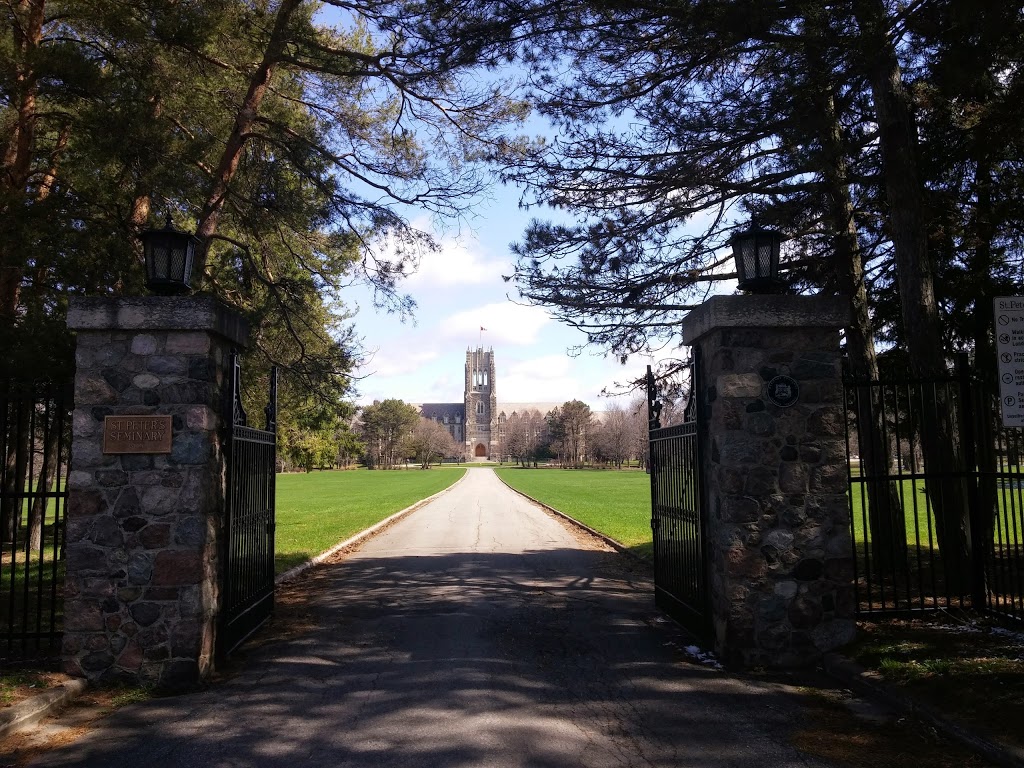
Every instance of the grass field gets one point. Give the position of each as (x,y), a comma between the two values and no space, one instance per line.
(919,521)
(618,504)
(914,500)
(31,582)
(315,511)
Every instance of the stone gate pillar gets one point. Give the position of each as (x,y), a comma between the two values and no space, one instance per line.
(145,507)
(775,476)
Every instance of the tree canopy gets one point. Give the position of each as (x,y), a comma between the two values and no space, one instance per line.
(386,427)
(881,138)
(294,137)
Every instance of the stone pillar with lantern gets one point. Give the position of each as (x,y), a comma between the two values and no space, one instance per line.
(774,474)
(146,483)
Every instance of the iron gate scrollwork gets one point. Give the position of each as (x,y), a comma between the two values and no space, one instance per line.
(247,596)
(677,511)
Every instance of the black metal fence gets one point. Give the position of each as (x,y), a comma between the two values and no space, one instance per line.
(248,586)
(35,439)
(677,521)
(936,496)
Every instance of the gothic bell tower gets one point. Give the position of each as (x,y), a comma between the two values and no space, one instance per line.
(481,405)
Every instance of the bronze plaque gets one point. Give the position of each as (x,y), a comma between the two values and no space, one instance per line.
(137,434)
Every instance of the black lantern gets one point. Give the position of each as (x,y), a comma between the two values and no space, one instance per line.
(169,255)
(756,251)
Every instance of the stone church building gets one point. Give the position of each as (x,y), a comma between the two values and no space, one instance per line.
(476,423)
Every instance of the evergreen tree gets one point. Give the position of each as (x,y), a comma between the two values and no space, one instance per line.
(384,426)
(295,148)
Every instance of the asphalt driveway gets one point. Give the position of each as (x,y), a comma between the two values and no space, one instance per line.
(478,631)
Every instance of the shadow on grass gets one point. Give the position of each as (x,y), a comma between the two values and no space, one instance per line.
(955,662)
(922,582)
(31,601)
(284,562)
(643,551)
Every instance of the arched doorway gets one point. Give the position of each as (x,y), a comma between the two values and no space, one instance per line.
(481,450)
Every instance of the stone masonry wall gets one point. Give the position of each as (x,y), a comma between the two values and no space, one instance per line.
(776,478)
(142,530)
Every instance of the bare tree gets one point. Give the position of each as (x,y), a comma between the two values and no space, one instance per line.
(614,437)
(517,438)
(429,441)
(639,428)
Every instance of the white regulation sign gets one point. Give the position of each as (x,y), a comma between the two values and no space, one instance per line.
(1009,324)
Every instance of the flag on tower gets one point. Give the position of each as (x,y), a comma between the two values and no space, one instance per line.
(482,328)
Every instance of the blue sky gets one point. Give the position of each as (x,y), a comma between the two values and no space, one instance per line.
(459,289)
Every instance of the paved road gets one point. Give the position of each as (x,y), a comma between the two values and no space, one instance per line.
(478,631)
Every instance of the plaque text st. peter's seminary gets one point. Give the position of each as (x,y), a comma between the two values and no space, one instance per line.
(137,434)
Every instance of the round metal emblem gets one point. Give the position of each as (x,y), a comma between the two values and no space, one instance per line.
(783,391)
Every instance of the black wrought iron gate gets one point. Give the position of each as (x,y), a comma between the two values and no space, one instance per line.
(35,447)
(936,495)
(247,595)
(677,512)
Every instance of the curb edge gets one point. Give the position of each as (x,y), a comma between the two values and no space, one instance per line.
(30,711)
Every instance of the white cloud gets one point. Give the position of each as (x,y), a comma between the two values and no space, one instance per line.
(527,389)
(458,262)
(544,367)
(547,378)
(506,324)
(397,362)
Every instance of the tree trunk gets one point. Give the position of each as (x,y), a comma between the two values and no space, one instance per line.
(885,512)
(885,523)
(981,265)
(922,331)
(244,122)
(44,484)
(16,475)
(17,152)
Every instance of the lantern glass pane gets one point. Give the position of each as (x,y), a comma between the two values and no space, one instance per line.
(177,262)
(764,257)
(161,261)
(190,252)
(748,252)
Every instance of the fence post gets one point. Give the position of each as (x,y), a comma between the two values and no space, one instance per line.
(653,423)
(968,428)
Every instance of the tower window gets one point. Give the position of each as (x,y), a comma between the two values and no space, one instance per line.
(480,406)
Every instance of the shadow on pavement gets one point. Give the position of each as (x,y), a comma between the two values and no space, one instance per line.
(550,658)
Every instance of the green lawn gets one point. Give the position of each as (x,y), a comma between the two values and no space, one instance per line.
(911,492)
(618,504)
(919,521)
(317,510)
(30,580)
